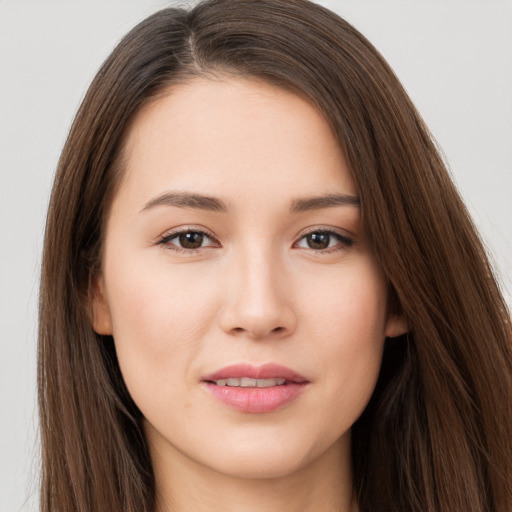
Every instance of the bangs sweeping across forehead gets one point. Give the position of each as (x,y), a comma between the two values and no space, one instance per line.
(435,434)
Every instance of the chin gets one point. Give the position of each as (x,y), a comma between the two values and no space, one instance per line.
(261,466)
(275,459)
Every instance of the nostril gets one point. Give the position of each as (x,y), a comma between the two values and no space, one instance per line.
(256,333)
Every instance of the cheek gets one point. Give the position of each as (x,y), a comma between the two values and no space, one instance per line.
(158,320)
(356,301)
(349,325)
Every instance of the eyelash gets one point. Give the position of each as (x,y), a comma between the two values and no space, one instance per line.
(344,242)
(166,240)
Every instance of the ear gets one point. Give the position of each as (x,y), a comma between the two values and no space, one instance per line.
(396,325)
(101,318)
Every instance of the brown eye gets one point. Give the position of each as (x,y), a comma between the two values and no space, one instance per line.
(191,239)
(188,240)
(324,240)
(318,240)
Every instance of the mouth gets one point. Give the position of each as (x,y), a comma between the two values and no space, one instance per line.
(247,382)
(250,389)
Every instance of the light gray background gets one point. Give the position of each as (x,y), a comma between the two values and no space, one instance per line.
(453,56)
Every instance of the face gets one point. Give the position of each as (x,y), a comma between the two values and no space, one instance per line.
(248,313)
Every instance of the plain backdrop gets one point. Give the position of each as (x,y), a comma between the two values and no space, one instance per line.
(453,56)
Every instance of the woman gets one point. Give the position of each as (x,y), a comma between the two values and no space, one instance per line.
(260,288)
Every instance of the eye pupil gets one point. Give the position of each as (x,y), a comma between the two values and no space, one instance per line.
(318,240)
(191,240)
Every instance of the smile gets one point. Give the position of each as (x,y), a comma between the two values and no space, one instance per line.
(246,382)
(250,389)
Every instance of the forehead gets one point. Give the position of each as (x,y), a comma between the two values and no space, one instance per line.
(230,136)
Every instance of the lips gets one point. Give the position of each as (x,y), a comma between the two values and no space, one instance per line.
(253,389)
(267,371)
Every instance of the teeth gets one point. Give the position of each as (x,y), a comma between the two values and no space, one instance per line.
(246,382)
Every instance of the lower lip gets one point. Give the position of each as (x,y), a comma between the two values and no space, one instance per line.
(256,400)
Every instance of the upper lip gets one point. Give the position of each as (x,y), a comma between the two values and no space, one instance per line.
(266,371)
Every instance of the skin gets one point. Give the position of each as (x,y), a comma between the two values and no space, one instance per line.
(254,291)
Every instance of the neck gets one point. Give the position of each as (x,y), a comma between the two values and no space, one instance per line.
(324,484)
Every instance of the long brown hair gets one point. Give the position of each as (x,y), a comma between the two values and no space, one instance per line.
(436,435)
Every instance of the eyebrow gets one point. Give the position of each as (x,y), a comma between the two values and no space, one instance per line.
(321,202)
(187,200)
(201,202)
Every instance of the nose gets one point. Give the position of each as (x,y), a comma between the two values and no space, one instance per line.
(258,300)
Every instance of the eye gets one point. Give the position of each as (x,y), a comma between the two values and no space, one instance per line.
(188,240)
(324,240)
